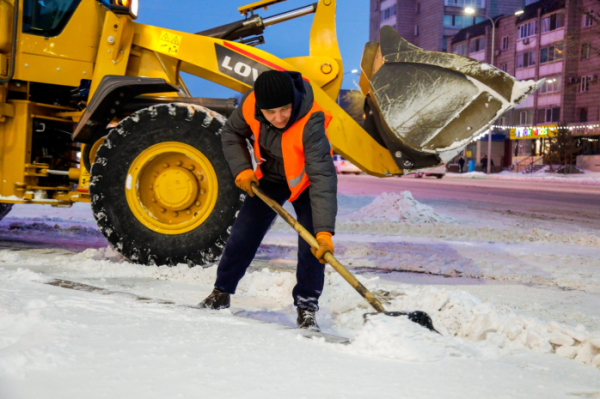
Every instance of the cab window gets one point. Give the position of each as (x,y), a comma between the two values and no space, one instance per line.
(47,17)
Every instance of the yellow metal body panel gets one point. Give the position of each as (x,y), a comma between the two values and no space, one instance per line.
(114,48)
(15,151)
(6,23)
(324,43)
(37,68)
(320,70)
(151,64)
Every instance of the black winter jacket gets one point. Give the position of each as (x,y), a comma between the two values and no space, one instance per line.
(318,164)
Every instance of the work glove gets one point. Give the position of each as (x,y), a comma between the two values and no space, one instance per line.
(325,245)
(245,179)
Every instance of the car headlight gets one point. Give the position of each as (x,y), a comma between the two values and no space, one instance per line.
(130,7)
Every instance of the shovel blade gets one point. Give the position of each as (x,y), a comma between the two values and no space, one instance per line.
(416,316)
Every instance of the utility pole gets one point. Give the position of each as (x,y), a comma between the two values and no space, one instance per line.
(471,11)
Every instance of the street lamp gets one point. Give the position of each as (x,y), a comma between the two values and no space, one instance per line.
(471,11)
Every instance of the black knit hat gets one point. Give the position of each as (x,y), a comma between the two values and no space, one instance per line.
(273,89)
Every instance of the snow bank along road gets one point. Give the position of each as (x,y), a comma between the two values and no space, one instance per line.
(515,295)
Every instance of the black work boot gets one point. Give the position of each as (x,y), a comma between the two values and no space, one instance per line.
(216,300)
(307,319)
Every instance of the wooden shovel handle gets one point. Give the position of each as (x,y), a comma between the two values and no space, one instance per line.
(312,241)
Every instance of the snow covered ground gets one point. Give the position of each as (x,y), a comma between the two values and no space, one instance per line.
(586,178)
(518,309)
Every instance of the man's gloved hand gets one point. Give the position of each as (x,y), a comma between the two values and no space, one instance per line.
(325,245)
(244,180)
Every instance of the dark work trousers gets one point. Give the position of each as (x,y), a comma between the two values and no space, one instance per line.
(247,233)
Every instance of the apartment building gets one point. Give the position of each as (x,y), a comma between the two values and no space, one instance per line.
(552,39)
(429,23)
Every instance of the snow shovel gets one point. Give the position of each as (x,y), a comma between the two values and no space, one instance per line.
(416,316)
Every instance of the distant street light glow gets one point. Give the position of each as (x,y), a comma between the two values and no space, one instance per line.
(469,10)
(519,12)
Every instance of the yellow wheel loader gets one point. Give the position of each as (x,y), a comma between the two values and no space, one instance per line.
(93,109)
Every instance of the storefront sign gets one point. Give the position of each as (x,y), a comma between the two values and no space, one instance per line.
(532,132)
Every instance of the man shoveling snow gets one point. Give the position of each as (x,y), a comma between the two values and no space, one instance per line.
(294,161)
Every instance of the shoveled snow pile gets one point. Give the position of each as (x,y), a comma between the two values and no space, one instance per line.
(400,338)
(484,330)
(400,208)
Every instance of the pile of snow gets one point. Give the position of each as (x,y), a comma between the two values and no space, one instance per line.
(401,208)
(459,314)
(402,339)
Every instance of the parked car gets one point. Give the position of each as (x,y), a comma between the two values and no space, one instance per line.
(438,172)
(343,166)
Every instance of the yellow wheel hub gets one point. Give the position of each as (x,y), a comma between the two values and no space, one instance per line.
(176,189)
(171,188)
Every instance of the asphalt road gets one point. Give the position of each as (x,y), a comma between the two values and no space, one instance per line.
(555,202)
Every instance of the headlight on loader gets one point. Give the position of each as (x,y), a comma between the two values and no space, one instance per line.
(130,7)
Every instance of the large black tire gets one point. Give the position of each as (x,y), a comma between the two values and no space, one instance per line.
(195,126)
(4,209)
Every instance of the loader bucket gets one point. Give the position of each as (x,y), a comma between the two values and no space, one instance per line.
(426,106)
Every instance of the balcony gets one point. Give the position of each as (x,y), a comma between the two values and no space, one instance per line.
(549,99)
(528,103)
(525,73)
(553,36)
(551,68)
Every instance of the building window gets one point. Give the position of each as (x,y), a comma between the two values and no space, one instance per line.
(528,29)
(418,8)
(585,83)
(586,19)
(465,3)
(583,115)
(548,115)
(552,53)
(526,59)
(504,67)
(552,84)
(460,21)
(586,51)
(389,12)
(552,22)
(526,118)
(460,49)
(477,44)
(505,43)
(416,30)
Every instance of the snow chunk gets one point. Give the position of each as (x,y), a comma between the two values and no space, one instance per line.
(401,208)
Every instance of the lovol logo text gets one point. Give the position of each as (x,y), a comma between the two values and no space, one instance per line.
(238,66)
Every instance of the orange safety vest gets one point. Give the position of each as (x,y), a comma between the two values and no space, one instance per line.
(292,145)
